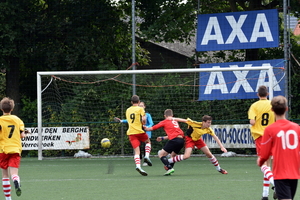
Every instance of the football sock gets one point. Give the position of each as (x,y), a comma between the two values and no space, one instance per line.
(6,188)
(147,149)
(137,161)
(268,174)
(166,162)
(215,162)
(15,177)
(175,159)
(266,185)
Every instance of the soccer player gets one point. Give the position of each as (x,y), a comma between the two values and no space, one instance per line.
(175,136)
(260,116)
(282,140)
(136,118)
(149,123)
(193,139)
(11,132)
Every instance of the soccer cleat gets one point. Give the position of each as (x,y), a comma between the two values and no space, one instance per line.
(17,187)
(145,164)
(274,194)
(223,171)
(148,161)
(264,198)
(142,172)
(169,172)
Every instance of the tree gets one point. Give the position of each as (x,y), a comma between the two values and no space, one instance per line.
(60,35)
(17,18)
(171,21)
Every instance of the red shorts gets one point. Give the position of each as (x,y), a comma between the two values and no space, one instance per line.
(189,142)
(258,145)
(10,160)
(136,139)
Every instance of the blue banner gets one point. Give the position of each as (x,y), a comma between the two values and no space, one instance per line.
(238,30)
(240,84)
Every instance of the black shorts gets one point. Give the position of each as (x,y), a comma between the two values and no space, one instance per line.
(175,145)
(286,188)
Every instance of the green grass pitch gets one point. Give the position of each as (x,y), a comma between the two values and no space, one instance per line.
(115,178)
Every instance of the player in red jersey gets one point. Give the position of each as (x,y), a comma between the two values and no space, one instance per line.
(281,140)
(175,136)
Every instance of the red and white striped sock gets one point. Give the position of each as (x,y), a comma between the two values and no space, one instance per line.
(266,185)
(268,173)
(147,149)
(137,161)
(175,159)
(215,162)
(6,188)
(15,177)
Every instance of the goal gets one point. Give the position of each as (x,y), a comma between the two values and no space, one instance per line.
(82,104)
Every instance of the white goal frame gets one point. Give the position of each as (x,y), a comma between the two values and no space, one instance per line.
(153,71)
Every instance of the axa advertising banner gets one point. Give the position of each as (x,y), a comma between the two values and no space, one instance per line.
(55,138)
(231,136)
(240,84)
(238,30)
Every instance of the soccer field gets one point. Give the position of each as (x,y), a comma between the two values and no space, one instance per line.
(116,179)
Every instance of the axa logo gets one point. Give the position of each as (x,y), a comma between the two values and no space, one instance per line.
(217,81)
(243,83)
(239,30)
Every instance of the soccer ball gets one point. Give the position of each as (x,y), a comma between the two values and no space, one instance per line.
(105,143)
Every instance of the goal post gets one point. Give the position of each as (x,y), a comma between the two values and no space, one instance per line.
(178,78)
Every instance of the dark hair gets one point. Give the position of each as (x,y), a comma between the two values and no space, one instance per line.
(168,113)
(262,91)
(135,99)
(279,105)
(7,105)
(206,117)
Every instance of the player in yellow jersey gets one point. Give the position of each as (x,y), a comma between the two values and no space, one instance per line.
(136,118)
(194,139)
(11,131)
(260,116)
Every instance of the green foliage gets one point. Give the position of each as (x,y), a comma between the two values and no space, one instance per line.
(29,110)
(2,85)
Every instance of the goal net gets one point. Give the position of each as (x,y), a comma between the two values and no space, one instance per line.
(76,109)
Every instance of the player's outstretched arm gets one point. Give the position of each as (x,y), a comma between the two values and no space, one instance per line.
(116,119)
(219,143)
(147,129)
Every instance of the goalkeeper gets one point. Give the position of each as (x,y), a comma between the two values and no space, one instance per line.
(193,139)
